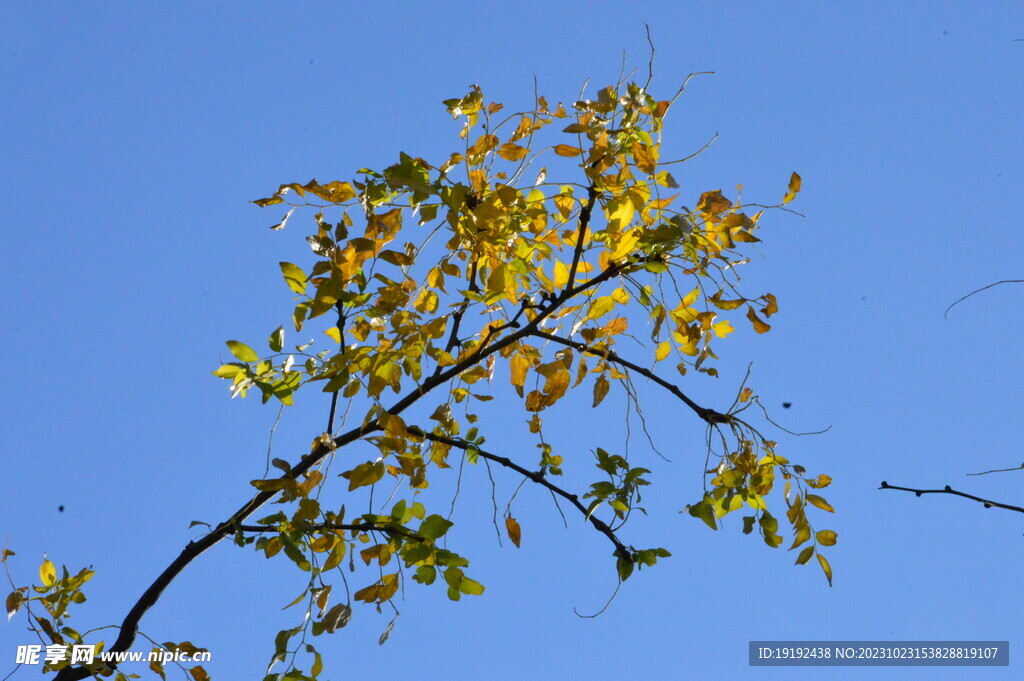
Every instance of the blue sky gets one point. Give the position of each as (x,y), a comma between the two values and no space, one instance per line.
(135,135)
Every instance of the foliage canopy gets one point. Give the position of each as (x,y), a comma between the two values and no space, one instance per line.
(444,283)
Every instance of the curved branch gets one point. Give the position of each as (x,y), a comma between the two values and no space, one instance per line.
(983,288)
(537,477)
(709,415)
(987,503)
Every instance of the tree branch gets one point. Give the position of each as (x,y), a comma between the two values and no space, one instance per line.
(988,503)
(453,338)
(585,214)
(130,625)
(355,527)
(537,477)
(709,415)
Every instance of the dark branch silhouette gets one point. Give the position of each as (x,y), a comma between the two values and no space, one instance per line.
(987,503)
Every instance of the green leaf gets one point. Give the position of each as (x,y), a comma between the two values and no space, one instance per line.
(277,339)
(704,511)
(805,555)
(471,587)
(434,527)
(425,574)
(624,568)
(242,351)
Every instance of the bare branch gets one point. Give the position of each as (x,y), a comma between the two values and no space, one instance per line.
(987,503)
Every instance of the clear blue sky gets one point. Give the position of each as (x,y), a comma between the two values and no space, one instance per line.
(134,136)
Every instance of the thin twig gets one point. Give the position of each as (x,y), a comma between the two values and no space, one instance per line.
(537,477)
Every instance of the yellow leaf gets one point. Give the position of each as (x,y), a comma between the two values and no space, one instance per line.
(535,401)
(722,329)
(334,334)
(802,535)
(625,244)
(646,157)
(821,481)
(794,189)
(826,567)
(620,296)
(324,542)
(615,326)
(514,531)
(826,537)
(566,150)
(379,592)
(600,307)
(805,555)
(564,202)
(662,352)
(820,503)
(518,366)
(228,370)
(426,301)
(294,277)
(47,573)
(561,274)
(690,298)
(620,213)
(725,304)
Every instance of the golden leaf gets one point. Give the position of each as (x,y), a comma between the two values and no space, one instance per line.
(512,152)
(601,386)
(513,529)
(713,203)
(568,151)
(826,537)
(759,325)
(794,189)
(826,567)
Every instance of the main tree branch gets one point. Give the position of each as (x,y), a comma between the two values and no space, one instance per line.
(988,503)
(537,477)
